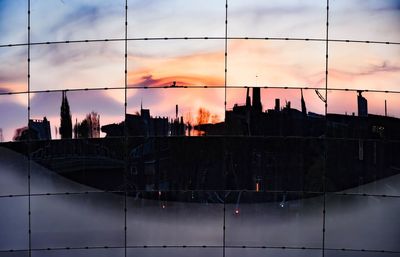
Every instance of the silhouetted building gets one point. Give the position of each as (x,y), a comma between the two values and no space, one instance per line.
(177,126)
(277,105)
(36,130)
(65,118)
(362,105)
(142,124)
(247,120)
(257,106)
(42,128)
(1,135)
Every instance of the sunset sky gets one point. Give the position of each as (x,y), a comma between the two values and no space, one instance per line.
(194,62)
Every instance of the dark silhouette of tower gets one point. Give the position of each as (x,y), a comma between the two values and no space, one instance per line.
(65,118)
(277,105)
(303,104)
(362,105)
(257,106)
(248,101)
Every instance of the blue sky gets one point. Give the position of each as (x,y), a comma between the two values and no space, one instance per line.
(251,63)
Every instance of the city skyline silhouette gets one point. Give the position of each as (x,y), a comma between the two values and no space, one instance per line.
(199,128)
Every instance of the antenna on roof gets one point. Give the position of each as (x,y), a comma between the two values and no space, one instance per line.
(320,96)
(385,108)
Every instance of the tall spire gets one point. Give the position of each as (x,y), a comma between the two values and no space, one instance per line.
(303,104)
(65,118)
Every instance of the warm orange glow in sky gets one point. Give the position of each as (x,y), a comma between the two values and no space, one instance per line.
(195,62)
(194,69)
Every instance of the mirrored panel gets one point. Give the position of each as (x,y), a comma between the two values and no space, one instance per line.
(14,222)
(263,111)
(364,66)
(176,163)
(79,253)
(357,104)
(247,252)
(175,251)
(371,220)
(81,220)
(14,168)
(77,20)
(362,149)
(372,20)
(77,65)
(276,63)
(363,166)
(177,18)
(13,117)
(13,69)
(176,63)
(274,164)
(71,151)
(77,165)
(273,219)
(85,112)
(175,218)
(13,21)
(288,18)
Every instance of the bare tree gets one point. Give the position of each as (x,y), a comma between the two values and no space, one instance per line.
(203,116)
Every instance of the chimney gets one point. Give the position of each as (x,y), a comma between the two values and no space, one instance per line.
(362,105)
(257,106)
(176,111)
(277,104)
(248,104)
(288,105)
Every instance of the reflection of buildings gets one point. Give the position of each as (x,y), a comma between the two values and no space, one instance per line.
(282,149)
(287,150)
(93,120)
(250,120)
(36,130)
(362,105)
(65,115)
(89,127)
(42,127)
(143,124)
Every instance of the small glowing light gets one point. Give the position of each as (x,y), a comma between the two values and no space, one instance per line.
(237,211)
(159,193)
(257,187)
(163,206)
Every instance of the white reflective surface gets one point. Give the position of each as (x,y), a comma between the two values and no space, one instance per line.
(97,219)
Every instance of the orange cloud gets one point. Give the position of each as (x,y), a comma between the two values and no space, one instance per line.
(194,69)
(13,87)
